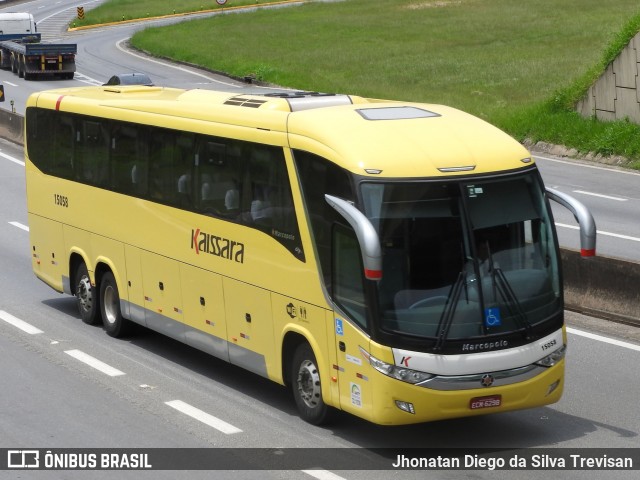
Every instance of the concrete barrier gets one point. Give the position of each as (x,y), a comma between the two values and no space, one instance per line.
(12,126)
(602,287)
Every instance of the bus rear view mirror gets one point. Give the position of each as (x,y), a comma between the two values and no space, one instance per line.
(366,234)
(583,217)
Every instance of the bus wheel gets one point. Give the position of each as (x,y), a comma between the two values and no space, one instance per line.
(305,381)
(114,324)
(86,296)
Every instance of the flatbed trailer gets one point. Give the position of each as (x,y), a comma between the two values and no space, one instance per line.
(30,58)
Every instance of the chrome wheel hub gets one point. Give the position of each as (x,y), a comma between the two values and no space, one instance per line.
(110,306)
(309,384)
(84,292)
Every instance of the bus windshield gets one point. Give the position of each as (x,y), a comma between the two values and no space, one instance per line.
(464,259)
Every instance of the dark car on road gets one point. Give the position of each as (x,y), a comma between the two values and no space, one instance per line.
(130,79)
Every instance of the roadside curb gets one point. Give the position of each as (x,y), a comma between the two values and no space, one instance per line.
(185,14)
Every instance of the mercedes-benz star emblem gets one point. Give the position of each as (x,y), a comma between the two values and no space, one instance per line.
(487,380)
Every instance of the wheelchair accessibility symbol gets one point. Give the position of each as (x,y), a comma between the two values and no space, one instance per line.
(339,328)
(492,317)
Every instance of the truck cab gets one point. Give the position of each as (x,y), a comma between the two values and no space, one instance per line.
(17,23)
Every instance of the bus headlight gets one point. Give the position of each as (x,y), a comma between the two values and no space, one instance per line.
(553,358)
(393,371)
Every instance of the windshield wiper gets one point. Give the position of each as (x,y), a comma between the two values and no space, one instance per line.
(504,288)
(446,319)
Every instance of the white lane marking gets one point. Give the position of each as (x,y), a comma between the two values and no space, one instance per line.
(81,77)
(323,475)
(94,362)
(600,195)
(13,159)
(579,164)
(164,64)
(617,235)
(9,83)
(19,225)
(65,10)
(186,70)
(21,324)
(203,417)
(600,232)
(600,338)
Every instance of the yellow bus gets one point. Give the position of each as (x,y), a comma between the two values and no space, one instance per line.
(394,260)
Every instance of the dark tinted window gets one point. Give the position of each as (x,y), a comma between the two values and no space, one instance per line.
(348,285)
(240,181)
(318,177)
(130,79)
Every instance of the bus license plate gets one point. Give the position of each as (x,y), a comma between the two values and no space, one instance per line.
(485,402)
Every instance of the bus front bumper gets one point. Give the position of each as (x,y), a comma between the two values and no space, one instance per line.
(397,403)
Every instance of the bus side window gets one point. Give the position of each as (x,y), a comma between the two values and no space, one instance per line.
(140,165)
(171,165)
(218,171)
(318,176)
(267,202)
(128,160)
(92,153)
(161,186)
(184,162)
(40,137)
(62,163)
(52,140)
(230,182)
(348,285)
(271,202)
(260,186)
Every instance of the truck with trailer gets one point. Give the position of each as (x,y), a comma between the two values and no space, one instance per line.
(23,52)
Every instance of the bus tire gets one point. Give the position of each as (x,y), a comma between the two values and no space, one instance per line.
(114,323)
(86,296)
(305,383)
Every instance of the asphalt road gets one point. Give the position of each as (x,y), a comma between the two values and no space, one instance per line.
(613,197)
(149,391)
(102,53)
